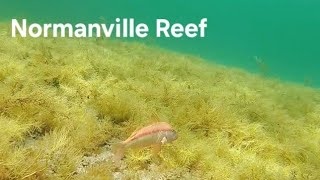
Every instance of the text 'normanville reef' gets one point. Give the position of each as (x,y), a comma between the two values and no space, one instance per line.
(121,28)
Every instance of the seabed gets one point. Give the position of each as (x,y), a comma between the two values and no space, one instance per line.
(63,101)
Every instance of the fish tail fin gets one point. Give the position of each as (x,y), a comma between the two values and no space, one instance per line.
(118,151)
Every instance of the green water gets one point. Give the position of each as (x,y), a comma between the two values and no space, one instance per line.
(285,34)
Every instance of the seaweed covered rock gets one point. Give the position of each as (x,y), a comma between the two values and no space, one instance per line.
(63,100)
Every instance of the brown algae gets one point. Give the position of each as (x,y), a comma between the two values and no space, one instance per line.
(61,100)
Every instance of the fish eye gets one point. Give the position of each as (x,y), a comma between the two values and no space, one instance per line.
(175,134)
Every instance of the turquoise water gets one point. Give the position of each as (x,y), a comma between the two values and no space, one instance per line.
(285,34)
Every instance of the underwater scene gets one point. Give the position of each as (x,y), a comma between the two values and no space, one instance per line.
(242,102)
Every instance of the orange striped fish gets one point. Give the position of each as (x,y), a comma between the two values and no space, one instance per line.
(153,135)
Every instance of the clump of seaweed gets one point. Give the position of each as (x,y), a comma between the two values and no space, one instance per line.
(62,101)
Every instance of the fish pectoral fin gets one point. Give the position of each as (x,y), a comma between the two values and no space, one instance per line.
(156,148)
(164,140)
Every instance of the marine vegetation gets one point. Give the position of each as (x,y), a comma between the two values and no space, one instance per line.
(64,101)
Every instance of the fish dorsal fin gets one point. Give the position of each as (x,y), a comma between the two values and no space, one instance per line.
(155,117)
(134,133)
